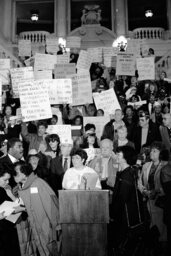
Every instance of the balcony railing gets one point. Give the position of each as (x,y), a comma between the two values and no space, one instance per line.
(35,36)
(149,33)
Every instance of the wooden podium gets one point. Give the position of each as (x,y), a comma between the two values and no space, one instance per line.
(84,215)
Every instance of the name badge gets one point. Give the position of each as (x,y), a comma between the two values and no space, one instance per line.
(33,190)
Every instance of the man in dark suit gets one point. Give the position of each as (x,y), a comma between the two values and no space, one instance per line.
(14,154)
(145,133)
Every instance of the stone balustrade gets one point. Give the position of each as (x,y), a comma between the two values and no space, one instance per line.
(34,36)
(149,33)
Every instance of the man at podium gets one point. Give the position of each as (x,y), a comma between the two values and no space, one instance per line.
(80,176)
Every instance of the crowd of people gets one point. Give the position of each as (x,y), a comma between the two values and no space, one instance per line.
(131,159)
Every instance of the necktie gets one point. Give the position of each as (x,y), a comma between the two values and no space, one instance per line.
(65,164)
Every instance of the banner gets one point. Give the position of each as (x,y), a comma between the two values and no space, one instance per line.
(125,64)
(19,75)
(107,101)
(81,89)
(34,99)
(146,68)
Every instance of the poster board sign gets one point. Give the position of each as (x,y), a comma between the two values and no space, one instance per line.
(63,58)
(44,61)
(84,60)
(5,76)
(19,75)
(146,68)
(108,56)
(73,42)
(34,99)
(60,91)
(125,64)
(95,53)
(5,64)
(64,70)
(42,74)
(63,131)
(24,48)
(98,121)
(133,46)
(81,89)
(52,45)
(107,101)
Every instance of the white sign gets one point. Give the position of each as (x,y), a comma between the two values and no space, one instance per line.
(81,89)
(0,95)
(146,68)
(37,48)
(84,60)
(43,74)
(63,58)
(44,61)
(63,131)
(109,56)
(107,101)
(5,64)
(19,75)
(125,64)
(64,70)
(73,42)
(5,76)
(52,45)
(24,47)
(34,99)
(133,46)
(98,121)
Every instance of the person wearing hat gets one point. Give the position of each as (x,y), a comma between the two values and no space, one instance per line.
(156,116)
(145,132)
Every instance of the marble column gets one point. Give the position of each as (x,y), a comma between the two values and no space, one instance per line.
(120,17)
(168,6)
(6,19)
(61,18)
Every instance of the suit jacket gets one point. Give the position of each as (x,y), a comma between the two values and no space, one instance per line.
(153,135)
(165,137)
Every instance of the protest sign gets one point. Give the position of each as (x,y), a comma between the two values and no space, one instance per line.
(125,64)
(24,47)
(63,131)
(98,121)
(0,95)
(146,68)
(19,75)
(5,64)
(109,56)
(133,46)
(42,74)
(73,42)
(44,61)
(37,48)
(63,58)
(52,45)
(95,53)
(107,101)
(64,70)
(81,89)
(84,60)
(60,91)
(5,76)
(34,99)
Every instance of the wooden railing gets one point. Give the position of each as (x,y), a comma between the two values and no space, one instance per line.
(149,33)
(34,36)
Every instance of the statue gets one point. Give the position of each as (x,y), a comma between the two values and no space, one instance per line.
(91,14)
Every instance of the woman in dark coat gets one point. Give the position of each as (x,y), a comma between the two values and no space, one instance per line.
(125,209)
(9,245)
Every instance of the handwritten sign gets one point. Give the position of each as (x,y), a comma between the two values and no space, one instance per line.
(19,75)
(60,91)
(34,99)
(109,56)
(81,89)
(44,61)
(125,64)
(95,53)
(84,60)
(98,121)
(64,70)
(73,42)
(24,47)
(107,101)
(63,58)
(63,131)
(146,68)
